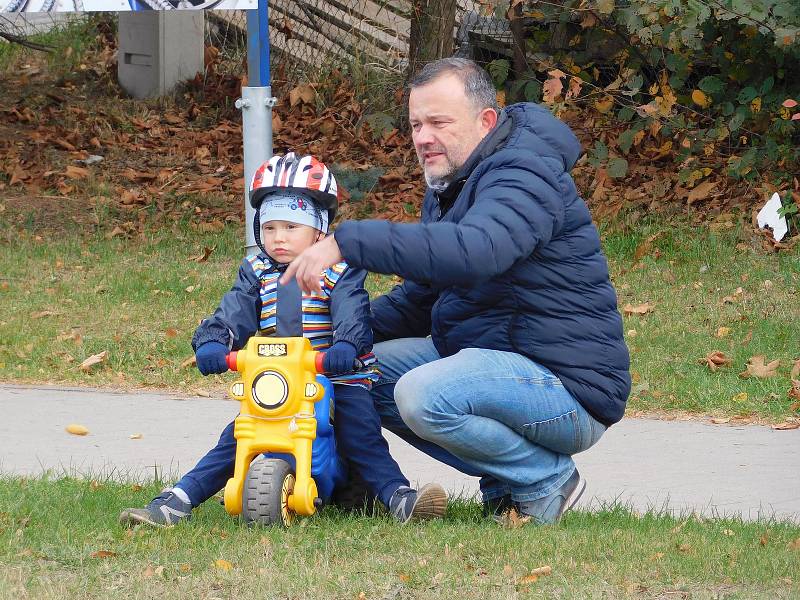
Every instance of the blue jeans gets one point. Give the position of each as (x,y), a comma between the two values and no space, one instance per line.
(492,414)
(358,436)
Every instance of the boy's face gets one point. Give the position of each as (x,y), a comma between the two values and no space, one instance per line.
(285,240)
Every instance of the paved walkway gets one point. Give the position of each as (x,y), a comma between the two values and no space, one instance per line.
(681,466)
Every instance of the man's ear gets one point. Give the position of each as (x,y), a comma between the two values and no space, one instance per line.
(488,119)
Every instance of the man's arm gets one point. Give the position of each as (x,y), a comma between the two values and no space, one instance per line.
(236,317)
(516,210)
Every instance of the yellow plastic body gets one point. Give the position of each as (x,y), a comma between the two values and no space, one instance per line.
(288,428)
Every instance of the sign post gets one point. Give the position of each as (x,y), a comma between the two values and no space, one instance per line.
(256,105)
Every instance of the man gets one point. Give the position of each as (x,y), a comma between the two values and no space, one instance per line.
(525,363)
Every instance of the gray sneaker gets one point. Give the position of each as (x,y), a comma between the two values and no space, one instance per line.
(408,504)
(551,508)
(165,510)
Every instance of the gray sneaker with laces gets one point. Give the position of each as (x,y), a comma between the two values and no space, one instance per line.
(165,510)
(408,504)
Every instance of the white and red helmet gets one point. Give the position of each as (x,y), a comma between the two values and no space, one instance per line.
(300,174)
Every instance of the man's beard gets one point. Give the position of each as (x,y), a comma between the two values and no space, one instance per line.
(440,182)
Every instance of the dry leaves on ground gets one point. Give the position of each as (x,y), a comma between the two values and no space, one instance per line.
(638,309)
(76,429)
(93,360)
(758,367)
(714,360)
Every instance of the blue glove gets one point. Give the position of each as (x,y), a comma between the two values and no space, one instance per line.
(211,358)
(339,358)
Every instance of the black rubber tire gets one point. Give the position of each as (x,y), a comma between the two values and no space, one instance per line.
(266,486)
(353,494)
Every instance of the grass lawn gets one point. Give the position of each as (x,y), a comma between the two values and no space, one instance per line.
(59,539)
(68,295)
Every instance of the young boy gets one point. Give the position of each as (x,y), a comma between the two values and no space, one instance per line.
(295,200)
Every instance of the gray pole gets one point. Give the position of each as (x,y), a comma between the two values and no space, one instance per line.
(256,105)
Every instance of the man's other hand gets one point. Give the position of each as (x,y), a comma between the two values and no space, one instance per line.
(311,263)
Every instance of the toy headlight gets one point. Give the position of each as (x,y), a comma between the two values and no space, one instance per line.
(270,390)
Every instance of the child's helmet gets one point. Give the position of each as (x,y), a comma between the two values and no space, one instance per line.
(292,173)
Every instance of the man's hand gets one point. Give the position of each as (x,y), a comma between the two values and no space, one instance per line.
(311,263)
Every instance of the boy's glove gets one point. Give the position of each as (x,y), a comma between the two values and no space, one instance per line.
(211,358)
(339,358)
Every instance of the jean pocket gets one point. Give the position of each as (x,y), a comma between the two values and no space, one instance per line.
(559,434)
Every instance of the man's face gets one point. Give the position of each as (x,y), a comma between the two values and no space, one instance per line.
(445,126)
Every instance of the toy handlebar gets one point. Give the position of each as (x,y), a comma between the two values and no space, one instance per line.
(319,362)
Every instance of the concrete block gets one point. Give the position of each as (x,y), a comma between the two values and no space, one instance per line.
(159,49)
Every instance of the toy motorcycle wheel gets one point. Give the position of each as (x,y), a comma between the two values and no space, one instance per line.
(267,488)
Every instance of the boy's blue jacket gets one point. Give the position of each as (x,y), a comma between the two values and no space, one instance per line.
(238,316)
(506,258)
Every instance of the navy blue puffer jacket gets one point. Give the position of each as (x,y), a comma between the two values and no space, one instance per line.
(506,258)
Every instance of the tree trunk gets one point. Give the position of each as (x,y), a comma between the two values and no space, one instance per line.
(432,23)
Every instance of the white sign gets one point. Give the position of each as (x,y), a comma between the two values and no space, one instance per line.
(51,6)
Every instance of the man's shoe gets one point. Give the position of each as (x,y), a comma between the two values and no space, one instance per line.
(165,510)
(495,507)
(551,508)
(408,504)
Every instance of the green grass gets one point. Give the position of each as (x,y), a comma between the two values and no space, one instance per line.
(59,539)
(140,299)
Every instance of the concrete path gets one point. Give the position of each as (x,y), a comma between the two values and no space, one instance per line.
(680,466)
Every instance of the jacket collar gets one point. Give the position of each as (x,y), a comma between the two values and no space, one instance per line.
(493,141)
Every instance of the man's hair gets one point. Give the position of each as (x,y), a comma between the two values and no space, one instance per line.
(478,86)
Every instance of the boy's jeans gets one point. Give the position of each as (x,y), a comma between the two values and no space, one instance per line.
(492,414)
(359,439)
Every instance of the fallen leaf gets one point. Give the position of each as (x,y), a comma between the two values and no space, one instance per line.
(714,360)
(545,570)
(758,367)
(94,359)
(721,420)
(794,544)
(795,372)
(103,554)
(74,172)
(740,397)
(189,362)
(764,539)
(787,425)
(794,393)
(638,309)
(76,429)
(684,547)
(202,393)
(528,579)
(302,93)
(204,256)
(171,332)
(508,570)
(722,332)
(223,564)
(511,519)
(136,436)
(701,191)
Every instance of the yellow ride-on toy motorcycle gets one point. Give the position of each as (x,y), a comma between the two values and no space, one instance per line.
(286,416)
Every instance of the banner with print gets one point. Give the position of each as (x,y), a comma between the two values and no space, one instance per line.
(58,6)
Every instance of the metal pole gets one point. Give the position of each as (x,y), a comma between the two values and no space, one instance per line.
(256,105)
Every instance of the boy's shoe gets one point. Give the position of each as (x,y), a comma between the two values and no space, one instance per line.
(165,510)
(551,508)
(408,504)
(495,507)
